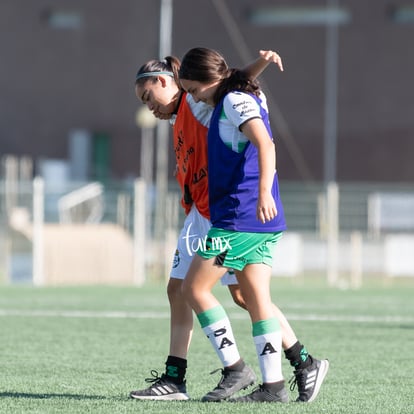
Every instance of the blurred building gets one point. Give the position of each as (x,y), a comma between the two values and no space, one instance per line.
(70,65)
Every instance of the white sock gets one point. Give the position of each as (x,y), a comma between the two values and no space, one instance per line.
(267,337)
(216,325)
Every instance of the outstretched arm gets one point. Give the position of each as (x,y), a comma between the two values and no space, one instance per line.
(254,69)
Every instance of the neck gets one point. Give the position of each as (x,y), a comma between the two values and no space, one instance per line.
(177,97)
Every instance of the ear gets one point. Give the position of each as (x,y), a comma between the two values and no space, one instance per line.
(163,80)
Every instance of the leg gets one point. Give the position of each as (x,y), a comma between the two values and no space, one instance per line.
(254,281)
(200,279)
(172,385)
(309,372)
(288,335)
(181,323)
(237,296)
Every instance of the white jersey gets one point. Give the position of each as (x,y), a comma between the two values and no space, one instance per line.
(201,111)
(238,107)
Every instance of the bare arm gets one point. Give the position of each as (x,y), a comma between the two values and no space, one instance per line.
(256,132)
(254,69)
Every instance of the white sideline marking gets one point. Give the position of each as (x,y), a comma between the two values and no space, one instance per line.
(166,315)
(85,314)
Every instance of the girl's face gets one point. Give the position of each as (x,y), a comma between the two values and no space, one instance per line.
(161,96)
(200,91)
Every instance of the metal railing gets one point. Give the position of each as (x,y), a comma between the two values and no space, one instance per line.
(330,234)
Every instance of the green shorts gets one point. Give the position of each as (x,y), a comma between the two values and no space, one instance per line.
(234,249)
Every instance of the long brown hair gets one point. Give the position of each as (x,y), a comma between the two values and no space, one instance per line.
(207,65)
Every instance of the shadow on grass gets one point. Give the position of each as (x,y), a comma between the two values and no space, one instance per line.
(48,396)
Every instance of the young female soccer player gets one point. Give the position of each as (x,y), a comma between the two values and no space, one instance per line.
(247,221)
(157,86)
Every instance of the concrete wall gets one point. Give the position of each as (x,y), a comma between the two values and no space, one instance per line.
(53,80)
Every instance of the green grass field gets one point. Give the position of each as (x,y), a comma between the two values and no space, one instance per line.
(82,349)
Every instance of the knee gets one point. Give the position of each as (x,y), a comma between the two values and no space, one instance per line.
(237,296)
(174,290)
(187,291)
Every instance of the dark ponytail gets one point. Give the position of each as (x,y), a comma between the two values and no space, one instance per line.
(207,65)
(170,65)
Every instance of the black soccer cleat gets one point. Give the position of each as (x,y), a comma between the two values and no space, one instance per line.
(260,394)
(161,389)
(230,383)
(309,380)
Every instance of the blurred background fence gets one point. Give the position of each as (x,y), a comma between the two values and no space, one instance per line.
(59,232)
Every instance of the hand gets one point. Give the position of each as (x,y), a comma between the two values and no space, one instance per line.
(271,56)
(266,208)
